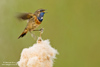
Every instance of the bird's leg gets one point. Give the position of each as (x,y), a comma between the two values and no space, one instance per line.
(38,29)
(41,31)
(40,38)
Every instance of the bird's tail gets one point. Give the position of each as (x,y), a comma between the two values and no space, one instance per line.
(23,33)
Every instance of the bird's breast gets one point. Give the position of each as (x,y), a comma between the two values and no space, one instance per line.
(37,21)
(34,26)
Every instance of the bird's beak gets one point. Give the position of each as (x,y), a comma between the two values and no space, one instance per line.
(45,11)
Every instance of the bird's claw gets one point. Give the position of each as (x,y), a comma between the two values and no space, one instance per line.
(41,30)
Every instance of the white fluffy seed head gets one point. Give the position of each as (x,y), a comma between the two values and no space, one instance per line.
(40,54)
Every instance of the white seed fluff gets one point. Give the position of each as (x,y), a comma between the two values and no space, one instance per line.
(40,54)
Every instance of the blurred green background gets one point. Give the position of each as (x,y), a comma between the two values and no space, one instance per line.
(72,26)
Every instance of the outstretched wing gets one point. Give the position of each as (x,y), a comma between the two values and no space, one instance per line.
(25,16)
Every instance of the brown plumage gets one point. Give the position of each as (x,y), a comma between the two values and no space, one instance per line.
(34,20)
(23,33)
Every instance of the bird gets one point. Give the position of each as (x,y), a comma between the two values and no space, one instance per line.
(34,20)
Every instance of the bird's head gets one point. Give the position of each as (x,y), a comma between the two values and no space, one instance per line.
(40,13)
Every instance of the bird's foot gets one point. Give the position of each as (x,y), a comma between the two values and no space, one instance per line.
(41,31)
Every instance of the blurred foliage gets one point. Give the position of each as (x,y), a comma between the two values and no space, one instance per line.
(73,27)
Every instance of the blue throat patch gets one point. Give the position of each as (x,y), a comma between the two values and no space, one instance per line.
(40,18)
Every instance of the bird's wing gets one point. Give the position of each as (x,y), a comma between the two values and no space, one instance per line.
(31,22)
(25,16)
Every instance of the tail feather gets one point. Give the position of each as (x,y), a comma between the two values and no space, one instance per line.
(23,33)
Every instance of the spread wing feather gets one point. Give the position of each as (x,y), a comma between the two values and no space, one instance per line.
(25,16)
